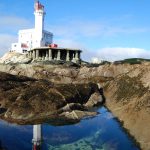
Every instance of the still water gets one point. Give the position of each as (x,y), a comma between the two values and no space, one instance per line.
(102,132)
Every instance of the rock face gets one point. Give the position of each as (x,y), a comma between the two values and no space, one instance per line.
(126,88)
(25,99)
(128,97)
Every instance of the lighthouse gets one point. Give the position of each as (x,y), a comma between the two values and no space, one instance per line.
(39,23)
(37,137)
(37,43)
(36,37)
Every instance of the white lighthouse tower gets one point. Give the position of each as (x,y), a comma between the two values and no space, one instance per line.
(33,38)
(39,24)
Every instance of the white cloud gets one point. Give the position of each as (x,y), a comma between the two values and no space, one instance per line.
(75,33)
(5,42)
(77,29)
(8,26)
(13,22)
(89,29)
(119,53)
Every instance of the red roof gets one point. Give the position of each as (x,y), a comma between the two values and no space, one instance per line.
(38,6)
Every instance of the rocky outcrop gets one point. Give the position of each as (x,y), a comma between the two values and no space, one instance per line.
(128,97)
(14,57)
(66,74)
(25,99)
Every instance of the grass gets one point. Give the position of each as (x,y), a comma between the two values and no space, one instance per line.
(129,87)
(132,61)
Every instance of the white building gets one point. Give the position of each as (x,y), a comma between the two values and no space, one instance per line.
(33,38)
(96,60)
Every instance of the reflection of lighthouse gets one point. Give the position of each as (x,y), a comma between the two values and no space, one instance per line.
(37,137)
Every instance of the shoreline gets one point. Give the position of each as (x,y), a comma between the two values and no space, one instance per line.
(124,130)
(127,131)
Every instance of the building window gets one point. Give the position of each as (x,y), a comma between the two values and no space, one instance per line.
(24,51)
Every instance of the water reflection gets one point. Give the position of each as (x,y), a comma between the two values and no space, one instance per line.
(37,137)
(102,132)
(99,133)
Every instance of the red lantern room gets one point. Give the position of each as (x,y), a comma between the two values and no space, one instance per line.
(38,6)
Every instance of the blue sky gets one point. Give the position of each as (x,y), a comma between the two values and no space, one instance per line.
(104,29)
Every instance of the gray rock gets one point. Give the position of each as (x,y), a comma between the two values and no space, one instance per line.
(95,100)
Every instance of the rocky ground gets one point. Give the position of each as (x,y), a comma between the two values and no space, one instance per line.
(126,88)
(128,97)
(24,100)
